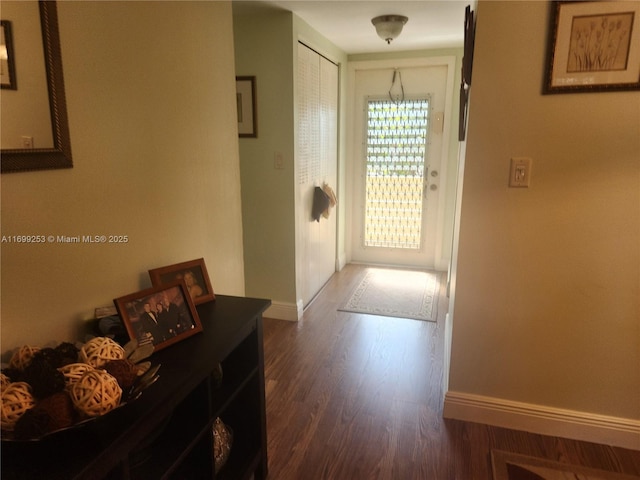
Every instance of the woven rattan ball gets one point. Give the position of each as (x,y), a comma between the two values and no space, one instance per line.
(96,393)
(16,399)
(22,357)
(99,350)
(73,372)
(4,382)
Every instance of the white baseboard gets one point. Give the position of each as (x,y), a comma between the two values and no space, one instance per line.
(606,430)
(284,311)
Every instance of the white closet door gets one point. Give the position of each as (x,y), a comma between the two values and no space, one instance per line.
(316,165)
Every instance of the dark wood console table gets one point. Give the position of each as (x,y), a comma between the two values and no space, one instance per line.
(167,433)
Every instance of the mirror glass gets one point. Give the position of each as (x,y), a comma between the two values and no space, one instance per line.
(35,132)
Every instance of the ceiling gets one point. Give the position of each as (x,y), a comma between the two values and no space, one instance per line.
(347,24)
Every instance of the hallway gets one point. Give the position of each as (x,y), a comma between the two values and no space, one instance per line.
(354,396)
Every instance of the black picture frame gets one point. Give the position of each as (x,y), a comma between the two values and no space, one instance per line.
(7,65)
(467,68)
(469,42)
(247,107)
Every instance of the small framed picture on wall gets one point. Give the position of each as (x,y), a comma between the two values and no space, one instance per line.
(7,59)
(593,47)
(246,104)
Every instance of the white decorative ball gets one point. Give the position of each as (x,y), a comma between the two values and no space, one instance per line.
(96,393)
(100,350)
(16,399)
(73,372)
(22,357)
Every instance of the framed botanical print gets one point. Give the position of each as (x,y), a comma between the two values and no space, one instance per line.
(594,46)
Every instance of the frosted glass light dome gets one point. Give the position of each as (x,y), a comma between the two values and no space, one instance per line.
(389,27)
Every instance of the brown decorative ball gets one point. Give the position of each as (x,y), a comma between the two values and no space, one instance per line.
(32,425)
(16,400)
(68,353)
(96,393)
(73,372)
(43,377)
(13,374)
(22,357)
(124,370)
(60,409)
(99,350)
(49,415)
(47,356)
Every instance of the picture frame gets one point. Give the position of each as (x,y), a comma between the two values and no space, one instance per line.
(467,67)
(469,43)
(246,105)
(7,57)
(593,46)
(462,113)
(160,315)
(194,273)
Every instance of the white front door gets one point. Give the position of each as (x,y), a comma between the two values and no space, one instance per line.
(398,155)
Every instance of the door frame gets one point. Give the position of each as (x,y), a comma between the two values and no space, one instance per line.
(441,242)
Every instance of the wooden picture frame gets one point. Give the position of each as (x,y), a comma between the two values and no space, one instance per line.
(194,273)
(246,104)
(58,156)
(173,315)
(7,57)
(593,46)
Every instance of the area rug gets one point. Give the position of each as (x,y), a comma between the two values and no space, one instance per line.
(513,466)
(395,293)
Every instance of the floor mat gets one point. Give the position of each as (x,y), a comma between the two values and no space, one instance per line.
(395,293)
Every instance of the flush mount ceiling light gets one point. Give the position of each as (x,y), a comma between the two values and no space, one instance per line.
(389,26)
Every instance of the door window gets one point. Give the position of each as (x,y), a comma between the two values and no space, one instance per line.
(395,168)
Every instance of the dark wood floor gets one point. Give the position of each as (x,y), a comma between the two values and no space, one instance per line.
(353,396)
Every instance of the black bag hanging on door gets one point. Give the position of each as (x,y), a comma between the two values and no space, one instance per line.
(320,203)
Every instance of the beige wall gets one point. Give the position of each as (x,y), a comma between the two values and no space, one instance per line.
(264,50)
(547,286)
(151,100)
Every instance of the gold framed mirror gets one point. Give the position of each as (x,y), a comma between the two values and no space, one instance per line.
(59,154)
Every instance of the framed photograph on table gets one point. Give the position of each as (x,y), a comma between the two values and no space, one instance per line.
(594,46)
(246,104)
(194,273)
(161,315)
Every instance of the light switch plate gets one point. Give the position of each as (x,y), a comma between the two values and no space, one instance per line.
(278,161)
(520,172)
